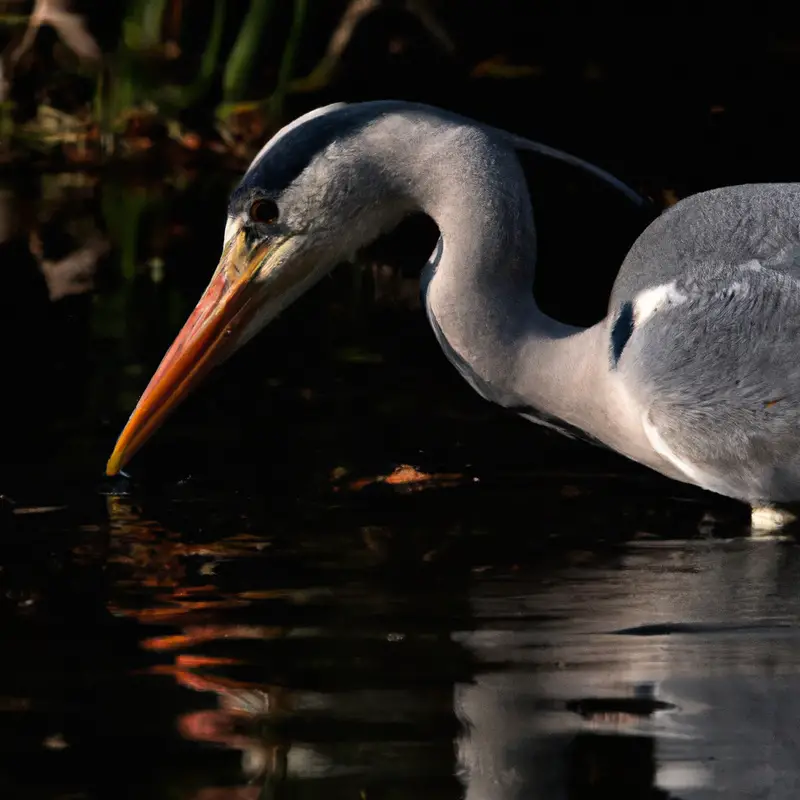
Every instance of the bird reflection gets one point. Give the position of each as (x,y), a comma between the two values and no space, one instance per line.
(617,766)
(510,751)
(237,724)
(658,670)
(310,699)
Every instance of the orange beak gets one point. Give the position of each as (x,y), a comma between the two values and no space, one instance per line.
(210,335)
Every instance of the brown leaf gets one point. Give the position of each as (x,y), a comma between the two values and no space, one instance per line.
(411,478)
(407,474)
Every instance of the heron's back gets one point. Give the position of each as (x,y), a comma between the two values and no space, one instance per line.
(717,229)
(712,290)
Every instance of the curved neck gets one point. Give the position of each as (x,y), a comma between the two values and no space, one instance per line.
(478,290)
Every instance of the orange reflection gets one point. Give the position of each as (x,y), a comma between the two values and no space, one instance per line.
(198,634)
(238,724)
(156,560)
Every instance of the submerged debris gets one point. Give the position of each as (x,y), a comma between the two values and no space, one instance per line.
(406,476)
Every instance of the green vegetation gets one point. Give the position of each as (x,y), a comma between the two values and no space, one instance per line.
(143,78)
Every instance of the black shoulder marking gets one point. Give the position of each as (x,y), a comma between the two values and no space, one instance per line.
(283,162)
(621,332)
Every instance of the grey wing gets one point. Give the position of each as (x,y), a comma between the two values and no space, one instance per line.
(714,231)
(710,300)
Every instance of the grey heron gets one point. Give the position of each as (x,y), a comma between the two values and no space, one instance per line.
(693,372)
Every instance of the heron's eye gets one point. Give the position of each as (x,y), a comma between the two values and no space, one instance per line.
(264,211)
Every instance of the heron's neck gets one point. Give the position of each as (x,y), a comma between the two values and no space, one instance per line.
(480,300)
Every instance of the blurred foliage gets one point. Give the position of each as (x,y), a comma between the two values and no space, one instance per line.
(145,81)
(209,76)
(160,67)
(245,49)
(134,80)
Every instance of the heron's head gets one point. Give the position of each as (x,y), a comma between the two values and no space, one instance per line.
(312,197)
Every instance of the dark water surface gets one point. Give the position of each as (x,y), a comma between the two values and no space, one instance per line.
(256,614)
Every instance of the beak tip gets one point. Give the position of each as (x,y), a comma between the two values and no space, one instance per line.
(200,344)
(114,464)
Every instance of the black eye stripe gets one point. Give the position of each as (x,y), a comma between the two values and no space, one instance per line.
(621,332)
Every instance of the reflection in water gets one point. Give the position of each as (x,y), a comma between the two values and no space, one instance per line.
(709,629)
(656,669)
(325,693)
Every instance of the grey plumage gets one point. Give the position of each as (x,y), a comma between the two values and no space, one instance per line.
(693,372)
(720,369)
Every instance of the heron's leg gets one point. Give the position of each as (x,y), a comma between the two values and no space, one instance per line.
(770,518)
